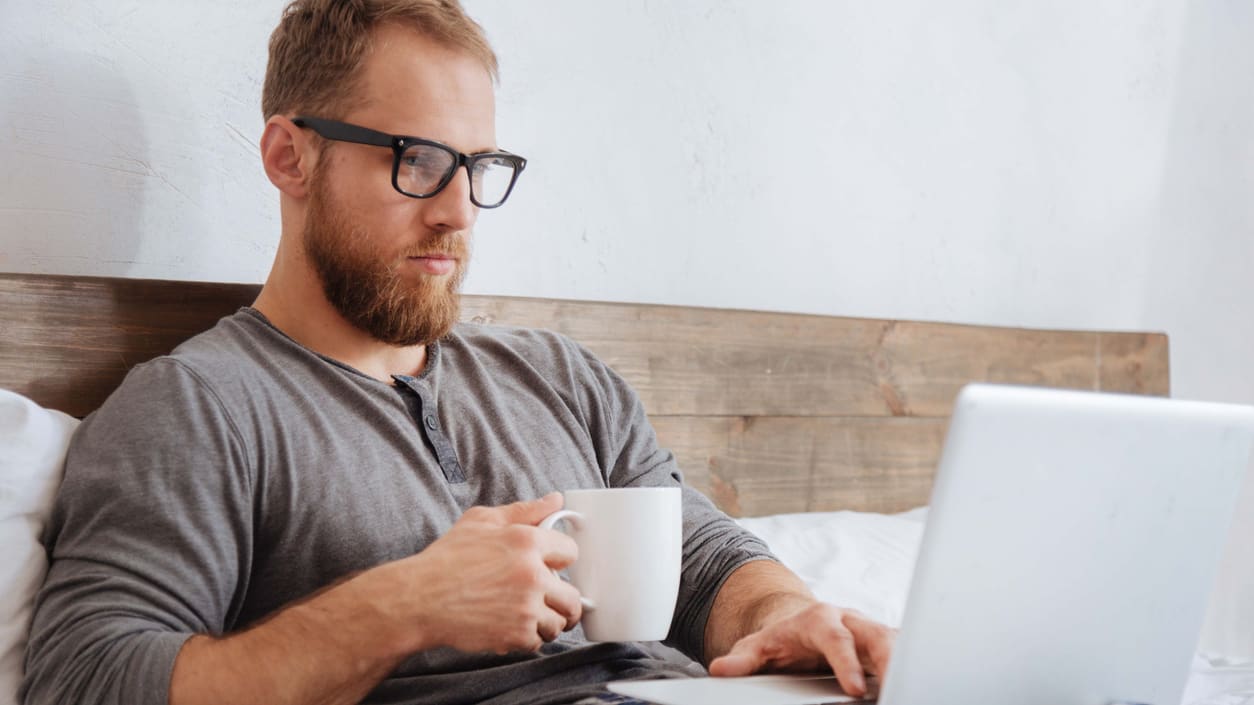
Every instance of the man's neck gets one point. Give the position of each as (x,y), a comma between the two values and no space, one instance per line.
(297,306)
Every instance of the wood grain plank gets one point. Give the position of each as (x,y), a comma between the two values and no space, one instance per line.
(67,342)
(694,361)
(770,465)
(1134,362)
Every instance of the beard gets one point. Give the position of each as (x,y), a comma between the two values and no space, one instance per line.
(366,284)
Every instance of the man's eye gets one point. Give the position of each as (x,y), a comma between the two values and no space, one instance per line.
(426,161)
(417,162)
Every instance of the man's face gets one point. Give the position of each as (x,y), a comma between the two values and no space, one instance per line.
(390,264)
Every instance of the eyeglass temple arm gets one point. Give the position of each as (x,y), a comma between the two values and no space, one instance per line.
(344,132)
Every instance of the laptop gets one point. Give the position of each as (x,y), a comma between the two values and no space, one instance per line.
(1070,548)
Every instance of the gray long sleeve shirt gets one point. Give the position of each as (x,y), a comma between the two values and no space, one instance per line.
(244,471)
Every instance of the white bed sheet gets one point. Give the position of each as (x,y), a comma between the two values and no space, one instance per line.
(864,561)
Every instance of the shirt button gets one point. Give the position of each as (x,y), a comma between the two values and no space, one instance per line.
(431,422)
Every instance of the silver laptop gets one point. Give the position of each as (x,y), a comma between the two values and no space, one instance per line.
(1071,545)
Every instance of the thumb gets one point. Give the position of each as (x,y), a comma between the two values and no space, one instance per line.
(745,658)
(734,664)
(531,511)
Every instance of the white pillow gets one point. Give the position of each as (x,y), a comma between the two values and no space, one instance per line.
(858,560)
(33,441)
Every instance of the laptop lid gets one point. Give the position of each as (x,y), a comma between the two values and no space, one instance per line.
(1070,548)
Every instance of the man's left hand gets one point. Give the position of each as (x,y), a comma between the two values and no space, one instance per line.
(817,638)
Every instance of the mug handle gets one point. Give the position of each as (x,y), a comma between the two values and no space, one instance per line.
(575,518)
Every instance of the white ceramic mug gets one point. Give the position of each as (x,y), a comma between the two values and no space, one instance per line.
(630,541)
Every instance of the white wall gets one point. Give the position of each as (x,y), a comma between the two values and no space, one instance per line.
(1077,165)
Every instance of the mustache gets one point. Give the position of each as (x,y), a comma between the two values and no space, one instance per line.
(454,247)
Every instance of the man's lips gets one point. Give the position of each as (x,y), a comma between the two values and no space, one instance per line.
(434,264)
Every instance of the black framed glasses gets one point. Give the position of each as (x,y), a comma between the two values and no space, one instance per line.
(421,168)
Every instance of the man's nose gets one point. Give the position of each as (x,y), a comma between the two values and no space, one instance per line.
(451,209)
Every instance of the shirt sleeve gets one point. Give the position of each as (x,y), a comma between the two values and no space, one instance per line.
(714,544)
(149,542)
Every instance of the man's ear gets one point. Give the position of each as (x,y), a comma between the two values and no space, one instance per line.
(288,156)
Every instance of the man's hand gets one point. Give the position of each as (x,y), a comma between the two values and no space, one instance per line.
(488,583)
(818,637)
(765,619)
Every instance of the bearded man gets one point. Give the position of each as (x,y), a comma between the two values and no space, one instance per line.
(332,495)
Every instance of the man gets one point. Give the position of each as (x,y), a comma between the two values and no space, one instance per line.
(330,496)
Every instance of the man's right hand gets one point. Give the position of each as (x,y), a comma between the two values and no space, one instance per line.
(488,583)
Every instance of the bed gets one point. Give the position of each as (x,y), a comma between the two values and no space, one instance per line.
(819,433)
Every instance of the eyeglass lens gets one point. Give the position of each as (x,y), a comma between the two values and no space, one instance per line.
(423,168)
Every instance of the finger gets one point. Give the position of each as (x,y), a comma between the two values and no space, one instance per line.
(557,550)
(875,640)
(531,511)
(883,656)
(733,665)
(550,625)
(563,598)
(838,647)
(747,656)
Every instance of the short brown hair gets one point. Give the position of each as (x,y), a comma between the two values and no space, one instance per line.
(316,50)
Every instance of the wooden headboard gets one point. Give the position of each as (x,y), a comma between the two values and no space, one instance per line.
(766,412)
